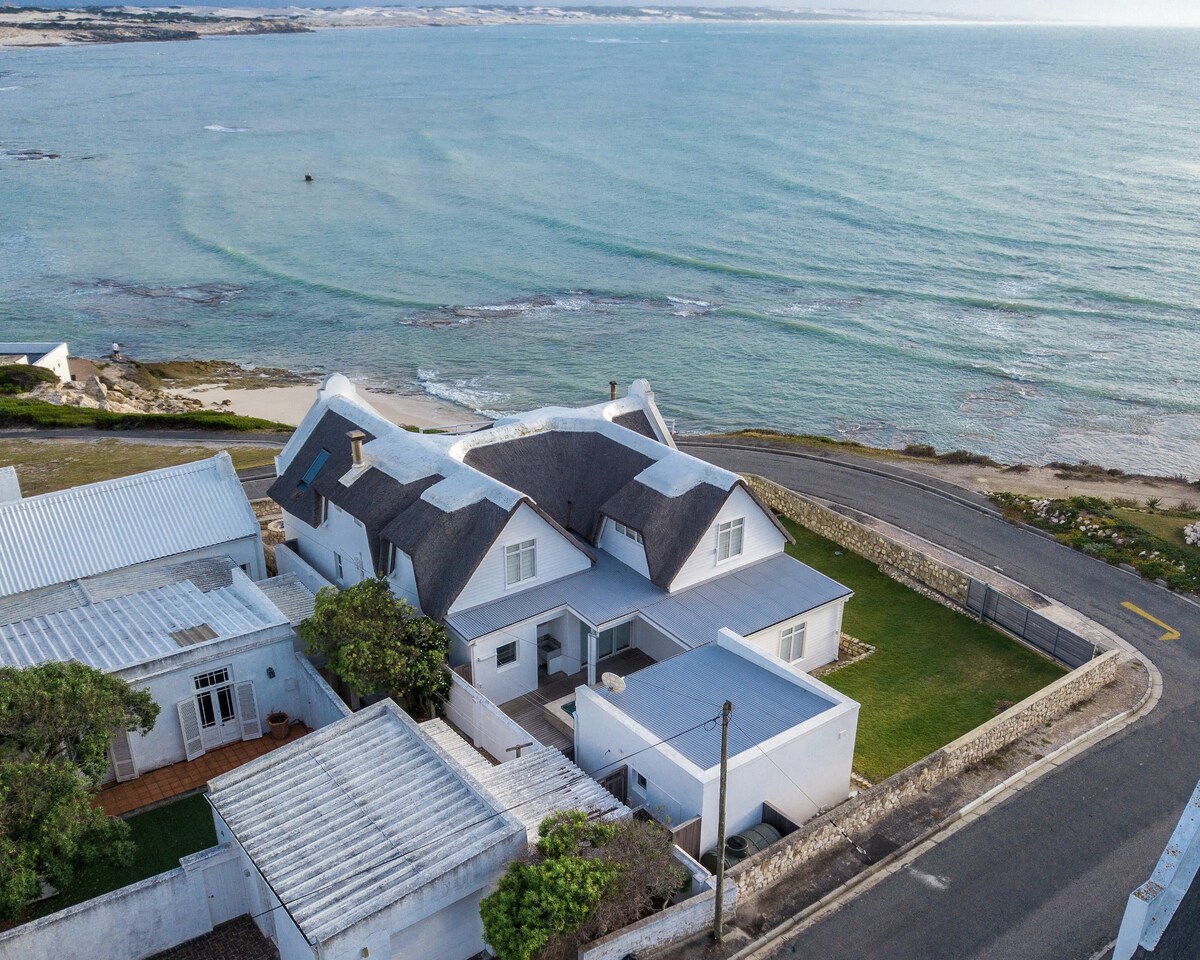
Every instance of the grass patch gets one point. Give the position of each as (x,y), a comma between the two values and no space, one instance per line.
(1167,526)
(1151,542)
(935,674)
(20,412)
(46,465)
(21,377)
(162,837)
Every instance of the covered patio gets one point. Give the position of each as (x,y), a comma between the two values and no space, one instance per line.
(529,710)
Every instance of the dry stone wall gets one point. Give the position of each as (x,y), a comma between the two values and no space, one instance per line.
(857,538)
(856,815)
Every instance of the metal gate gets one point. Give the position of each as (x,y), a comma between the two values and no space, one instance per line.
(1063,645)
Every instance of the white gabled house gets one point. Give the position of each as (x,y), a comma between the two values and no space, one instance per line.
(563,543)
(152,578)
(551,541)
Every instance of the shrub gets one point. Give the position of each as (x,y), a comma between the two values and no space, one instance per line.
(920,450)
(21,378)
(967,457)
(23,412)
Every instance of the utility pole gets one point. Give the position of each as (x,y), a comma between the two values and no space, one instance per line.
(719,910)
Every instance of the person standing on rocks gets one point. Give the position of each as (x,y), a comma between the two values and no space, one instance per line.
(116,350)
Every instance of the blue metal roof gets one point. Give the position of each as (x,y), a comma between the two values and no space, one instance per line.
(745,600)
(686,690)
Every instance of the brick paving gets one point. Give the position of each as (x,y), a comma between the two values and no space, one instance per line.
(165,784)
(237,939)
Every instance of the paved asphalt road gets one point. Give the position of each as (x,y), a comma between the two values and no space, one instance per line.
(1046,875)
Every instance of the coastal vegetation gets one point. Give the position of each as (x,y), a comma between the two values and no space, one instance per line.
(22,377)
(26,412)
(955,673)
(46,465)
(1151,540)
(56,723)
(583,880)
(376,642)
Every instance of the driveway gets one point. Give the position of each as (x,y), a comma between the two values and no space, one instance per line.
(1047,874)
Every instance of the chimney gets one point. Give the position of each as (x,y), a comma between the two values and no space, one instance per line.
(612,389)
(356,439)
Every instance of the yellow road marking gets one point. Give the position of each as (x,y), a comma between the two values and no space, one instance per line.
(1171,634)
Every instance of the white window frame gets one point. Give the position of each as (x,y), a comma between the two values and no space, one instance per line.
(788,637)
(627,531)
(729,534)
(516,655)
(392,555)
(640,783)
(323,510)
(524,551)
(339,571)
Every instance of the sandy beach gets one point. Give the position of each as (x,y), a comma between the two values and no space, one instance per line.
(289,404)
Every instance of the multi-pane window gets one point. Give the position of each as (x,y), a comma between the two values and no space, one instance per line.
(627,531)
(214,697)
(338,572)
(520,562)
(791,642)
(506,654)
(729,538)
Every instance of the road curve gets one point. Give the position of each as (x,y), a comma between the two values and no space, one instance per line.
(1045,875)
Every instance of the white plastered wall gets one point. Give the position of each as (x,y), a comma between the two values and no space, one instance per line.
(340,535)
(760,539)
(557,557)
(823,630)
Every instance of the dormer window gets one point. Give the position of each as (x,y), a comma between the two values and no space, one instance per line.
(627,531)
(520,562)
(729,538)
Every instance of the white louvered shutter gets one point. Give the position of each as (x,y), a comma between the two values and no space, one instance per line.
(247,708)
(189,723)
(122,757)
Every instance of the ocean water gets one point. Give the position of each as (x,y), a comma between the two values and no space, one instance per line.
(981,237)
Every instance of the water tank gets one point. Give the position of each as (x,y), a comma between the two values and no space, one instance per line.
(742,845)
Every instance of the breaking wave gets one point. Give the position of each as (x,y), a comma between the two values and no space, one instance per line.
(467,392)
(217,128)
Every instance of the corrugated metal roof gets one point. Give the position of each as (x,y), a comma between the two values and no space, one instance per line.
(357,816)
(289,594)
(543,782)
(686,690)
(87,530)
(606,591)
(745,600)
(136,628)
(534,785)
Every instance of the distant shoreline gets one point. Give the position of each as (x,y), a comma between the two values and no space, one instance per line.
(31,27)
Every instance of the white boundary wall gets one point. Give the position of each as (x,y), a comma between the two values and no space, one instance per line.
(485,724)
(140,920)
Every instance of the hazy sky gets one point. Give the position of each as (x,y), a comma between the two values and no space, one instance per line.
(1106,11)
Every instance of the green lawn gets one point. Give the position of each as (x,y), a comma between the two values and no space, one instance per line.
(1169,526)
(162,835)
(25,412)
(935,675)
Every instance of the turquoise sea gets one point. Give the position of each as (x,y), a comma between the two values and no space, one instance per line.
(982,237)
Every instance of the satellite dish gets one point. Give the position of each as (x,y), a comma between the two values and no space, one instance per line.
(614,683)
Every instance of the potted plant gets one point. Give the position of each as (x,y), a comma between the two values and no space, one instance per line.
(278,721)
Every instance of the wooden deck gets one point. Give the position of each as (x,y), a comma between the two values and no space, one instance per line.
(527,710)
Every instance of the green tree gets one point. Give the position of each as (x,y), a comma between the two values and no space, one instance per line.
(375,641)
(583,880)
(56,721)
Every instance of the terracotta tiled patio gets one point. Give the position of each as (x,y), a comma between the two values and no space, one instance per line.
(160,786)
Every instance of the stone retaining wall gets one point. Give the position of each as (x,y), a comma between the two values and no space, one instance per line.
(850,650)
(857,538)
(856,815)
